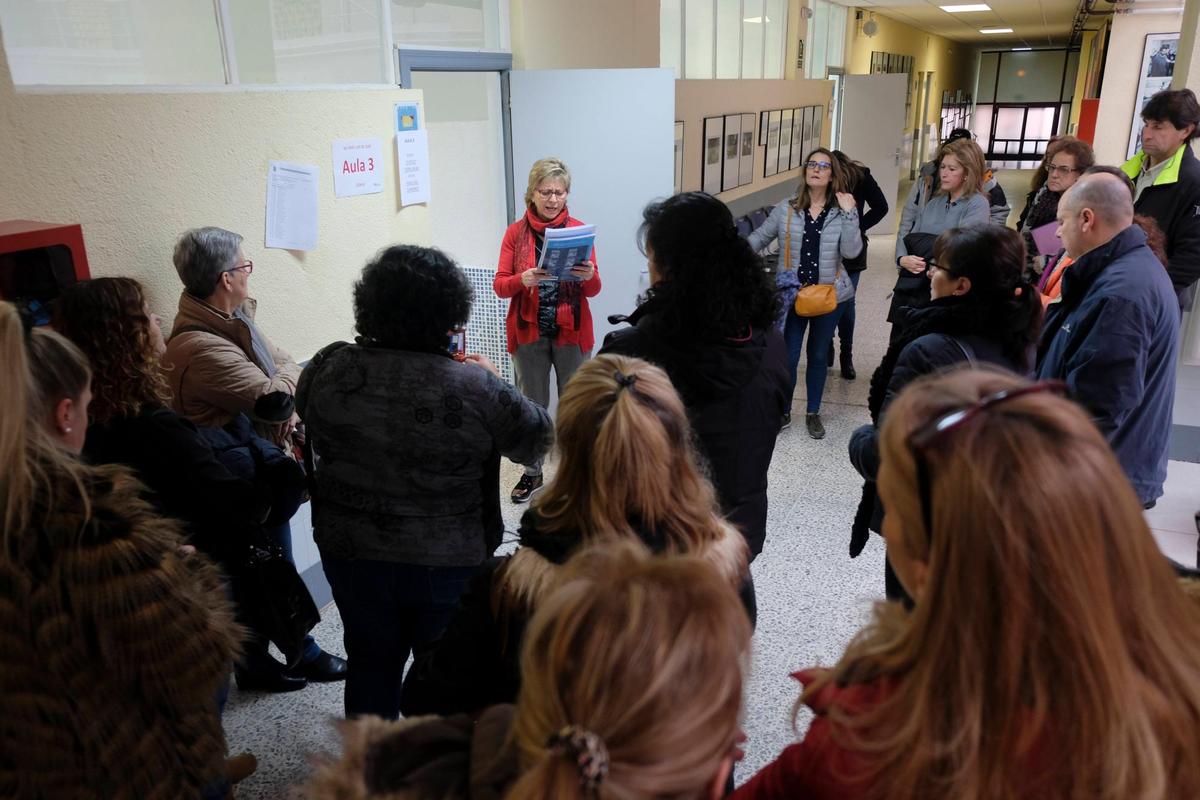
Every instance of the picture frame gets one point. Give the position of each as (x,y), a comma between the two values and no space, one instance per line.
(785,139)
(762,127)
(731,152)
(797,139)
(1155,74)
(710,155)
(746,160)
(818,125)
(771,162)
(679,156)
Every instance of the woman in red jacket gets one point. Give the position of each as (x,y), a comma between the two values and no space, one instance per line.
(549,323)
(1050,653)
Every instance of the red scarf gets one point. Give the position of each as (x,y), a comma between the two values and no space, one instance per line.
(569,292)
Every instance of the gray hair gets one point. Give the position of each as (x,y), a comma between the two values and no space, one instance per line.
(201,255)
(1106,195)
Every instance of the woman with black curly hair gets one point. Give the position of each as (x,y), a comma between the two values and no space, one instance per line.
(408,442)
(707,320)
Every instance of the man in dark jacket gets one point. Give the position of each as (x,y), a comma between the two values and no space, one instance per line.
(1167,179)
(1113,335)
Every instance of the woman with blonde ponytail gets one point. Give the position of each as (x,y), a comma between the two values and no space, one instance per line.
(116,642)
(633,685)
(626,471)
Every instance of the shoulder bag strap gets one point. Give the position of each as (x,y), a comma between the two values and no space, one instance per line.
(787,238)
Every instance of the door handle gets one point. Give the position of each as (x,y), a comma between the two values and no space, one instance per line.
(897,156)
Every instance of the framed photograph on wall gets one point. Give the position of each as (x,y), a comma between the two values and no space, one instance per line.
(710,164)
(798,153)
(746,159)
(732,152)
(771,164)
(762,127)
(1158,68)
(818,124)
(785,139)
(678,157)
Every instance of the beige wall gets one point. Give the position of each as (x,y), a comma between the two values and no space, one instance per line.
(952,63)
(1085,51)
(575,34)
(136,169)
(695,100)
(1121,68)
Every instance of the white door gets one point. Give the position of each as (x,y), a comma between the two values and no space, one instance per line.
(872,132)
(615,129)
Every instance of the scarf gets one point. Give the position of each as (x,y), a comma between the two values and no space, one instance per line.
(1044,209)
(566,295)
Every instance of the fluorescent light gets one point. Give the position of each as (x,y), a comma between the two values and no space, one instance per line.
(1019,49)
(965,8)
(755,20)
(995,30)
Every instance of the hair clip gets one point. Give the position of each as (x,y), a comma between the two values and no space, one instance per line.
(588,751)
(624,381)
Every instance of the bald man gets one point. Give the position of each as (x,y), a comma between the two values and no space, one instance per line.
(1113,334)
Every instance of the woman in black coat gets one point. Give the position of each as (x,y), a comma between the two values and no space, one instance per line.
(866,193)
(982,310)
(626,471)
(708,320)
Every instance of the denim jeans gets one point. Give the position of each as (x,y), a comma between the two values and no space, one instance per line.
(389,610)
(845,326)
(821,330)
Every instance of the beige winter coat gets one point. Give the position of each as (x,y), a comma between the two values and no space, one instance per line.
(213,373)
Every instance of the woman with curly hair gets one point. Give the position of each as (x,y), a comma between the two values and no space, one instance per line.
(816,230)
(549,322)
(707,320)
(626,472)
(407,442)
(110,321)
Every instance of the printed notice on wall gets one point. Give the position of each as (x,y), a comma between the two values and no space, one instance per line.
(292,205)
(412,162)
(357,167)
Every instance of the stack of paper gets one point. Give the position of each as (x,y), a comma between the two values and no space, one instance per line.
(564,248)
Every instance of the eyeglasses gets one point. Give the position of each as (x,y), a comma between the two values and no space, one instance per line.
(818,165)
(1056,170)
(546,194)
(922,439)
(248,266)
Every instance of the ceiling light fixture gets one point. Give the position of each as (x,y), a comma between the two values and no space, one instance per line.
(995,30)
(965,8)
(1019,49)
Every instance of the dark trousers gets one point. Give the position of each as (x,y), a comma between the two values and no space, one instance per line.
(845,327)
(256,658)
(820,336)
(389,610)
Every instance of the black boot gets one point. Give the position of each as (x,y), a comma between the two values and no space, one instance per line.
(848,362)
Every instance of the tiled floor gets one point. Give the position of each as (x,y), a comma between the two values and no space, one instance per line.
(812,597)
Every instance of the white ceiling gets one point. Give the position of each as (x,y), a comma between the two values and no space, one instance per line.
(1035,23)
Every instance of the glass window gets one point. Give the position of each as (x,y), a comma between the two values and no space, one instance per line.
(835,42)
(307,41)
(729,35)
(818,32)
(1033,76)
(1072,68)
(698,38)
(752,38)
(985,91)
(112,42)
(459,24)
(670,35)
(776,23)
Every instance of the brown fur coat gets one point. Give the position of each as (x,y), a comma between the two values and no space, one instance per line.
(113,646)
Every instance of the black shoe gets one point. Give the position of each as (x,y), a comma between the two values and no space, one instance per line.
(526,487)
(268,681)
(815,429)
(325,668)
(848,364)
(787,421)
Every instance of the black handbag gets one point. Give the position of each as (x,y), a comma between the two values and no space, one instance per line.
(272,599)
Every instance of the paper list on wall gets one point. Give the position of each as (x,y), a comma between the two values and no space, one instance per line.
(412,162)
(292,205)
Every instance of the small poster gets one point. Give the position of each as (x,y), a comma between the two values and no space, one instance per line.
(710,172)
(771,166)
(678,157)
(407,117)
(1158,68)
(733,152)
(785,139)
(746,161)
(798,143)
(412,162)
(357,167)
